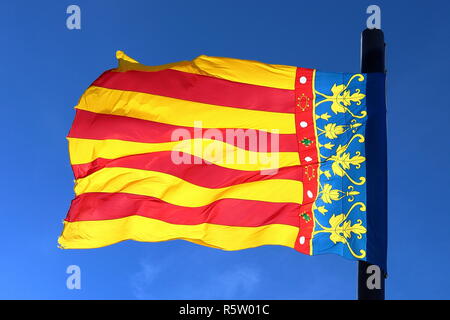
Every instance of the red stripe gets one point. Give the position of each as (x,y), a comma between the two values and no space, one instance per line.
(201,174)
(199,88)
(230,212)
(90,125)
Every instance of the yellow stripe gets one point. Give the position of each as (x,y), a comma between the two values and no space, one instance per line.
(177,191)
(214,151)
(95,234)
(244,71)
(181,112)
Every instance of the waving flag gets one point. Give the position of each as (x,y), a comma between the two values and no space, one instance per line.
(226,153)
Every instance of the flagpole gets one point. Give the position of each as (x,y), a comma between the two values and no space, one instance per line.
(373,60)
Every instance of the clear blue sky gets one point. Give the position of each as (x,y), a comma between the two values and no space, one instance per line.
(46,67)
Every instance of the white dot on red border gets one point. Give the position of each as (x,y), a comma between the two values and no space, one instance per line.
(303,124)
(309,194)
(302,79)
(308,159)
(301,240)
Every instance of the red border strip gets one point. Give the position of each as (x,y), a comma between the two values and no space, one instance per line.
(307,148)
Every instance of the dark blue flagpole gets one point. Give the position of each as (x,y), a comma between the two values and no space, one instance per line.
(373,63)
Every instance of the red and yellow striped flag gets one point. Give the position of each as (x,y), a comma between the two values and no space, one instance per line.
(222,152)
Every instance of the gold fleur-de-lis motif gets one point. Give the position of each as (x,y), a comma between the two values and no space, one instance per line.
(327,145)
(351,193)
(333,130)
(341,98)
(341,229)
(328,194)
(340,161)
(324,116)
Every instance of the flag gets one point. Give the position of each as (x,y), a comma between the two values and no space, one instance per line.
(222,152)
